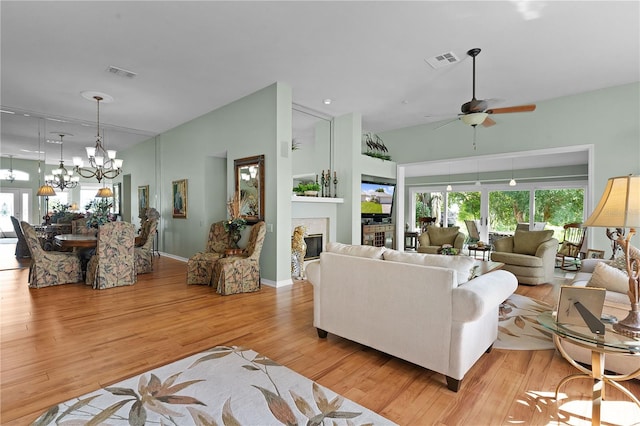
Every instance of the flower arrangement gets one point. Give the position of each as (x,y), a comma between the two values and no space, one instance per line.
(448,249)
(98,213)
(236,222)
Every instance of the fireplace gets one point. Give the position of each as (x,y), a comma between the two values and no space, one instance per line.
(314,246)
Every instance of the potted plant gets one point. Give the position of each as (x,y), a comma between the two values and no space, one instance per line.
(236,223)
(309,189)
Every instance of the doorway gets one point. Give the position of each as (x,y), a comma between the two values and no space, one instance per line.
(13,202)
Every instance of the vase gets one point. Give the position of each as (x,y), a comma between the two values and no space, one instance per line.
(234,237)
(311,193)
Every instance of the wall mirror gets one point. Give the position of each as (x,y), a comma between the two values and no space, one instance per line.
(250,184)
(312,143)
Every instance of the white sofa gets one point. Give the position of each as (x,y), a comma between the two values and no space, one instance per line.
(391,301)
(616,303)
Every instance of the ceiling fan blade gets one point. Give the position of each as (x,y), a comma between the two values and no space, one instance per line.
(488,122)
(506,110)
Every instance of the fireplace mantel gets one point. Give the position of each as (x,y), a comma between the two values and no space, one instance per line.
(302,199)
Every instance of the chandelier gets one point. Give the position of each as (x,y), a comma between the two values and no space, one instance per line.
(10,177)
(61,177)
(103,163)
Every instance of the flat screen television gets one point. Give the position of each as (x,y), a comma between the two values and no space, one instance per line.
(376,200)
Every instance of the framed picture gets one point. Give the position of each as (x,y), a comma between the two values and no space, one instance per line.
(117,206)
(143,199)
(591,298)
(179,197)
(595,254)
(250,185)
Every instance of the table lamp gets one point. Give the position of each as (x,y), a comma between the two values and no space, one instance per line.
(619,207)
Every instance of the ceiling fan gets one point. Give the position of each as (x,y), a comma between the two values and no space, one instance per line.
(477,111)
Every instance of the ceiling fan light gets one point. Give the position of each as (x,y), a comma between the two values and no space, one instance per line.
(512,182)
(474,119)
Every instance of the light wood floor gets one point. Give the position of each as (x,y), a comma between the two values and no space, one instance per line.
(60,342)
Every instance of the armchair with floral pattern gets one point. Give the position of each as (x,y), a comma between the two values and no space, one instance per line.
(200,265)
(49,267)
(113,264)
(241,274)
(144,253)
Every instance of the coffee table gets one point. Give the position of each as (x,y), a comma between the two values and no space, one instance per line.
(599,345)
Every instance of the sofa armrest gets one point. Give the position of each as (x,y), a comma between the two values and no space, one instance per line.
(546,247)
(312,269)
(424,240)
(477,297)
(588,265)
(459,241)
(504,245)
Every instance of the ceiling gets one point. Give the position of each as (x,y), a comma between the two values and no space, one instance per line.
(368,57)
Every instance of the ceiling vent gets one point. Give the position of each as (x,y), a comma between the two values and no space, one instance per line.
(121,72)
(442,60)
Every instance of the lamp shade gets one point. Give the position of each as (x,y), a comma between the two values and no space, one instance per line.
(46,191)
(619,206)
(104,193)
(474,119)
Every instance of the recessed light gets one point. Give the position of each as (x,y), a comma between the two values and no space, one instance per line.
(327,101)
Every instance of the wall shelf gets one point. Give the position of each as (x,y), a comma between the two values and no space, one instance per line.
(303,199)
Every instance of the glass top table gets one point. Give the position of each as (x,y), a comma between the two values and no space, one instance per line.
(608,343)
(580,334)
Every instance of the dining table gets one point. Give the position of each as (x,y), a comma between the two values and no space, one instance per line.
(75,241)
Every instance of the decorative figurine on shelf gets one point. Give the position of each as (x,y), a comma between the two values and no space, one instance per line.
(327,183)
(322,182)
(298,252)
(335,184)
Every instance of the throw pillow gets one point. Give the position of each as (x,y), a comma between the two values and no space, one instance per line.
(527,242)
(440,236)
(610,278)
(463,265)
(370,252)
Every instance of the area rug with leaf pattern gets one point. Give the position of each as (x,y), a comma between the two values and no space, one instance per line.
(225,385)
(518,327)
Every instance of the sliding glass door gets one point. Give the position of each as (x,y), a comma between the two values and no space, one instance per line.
(500,209)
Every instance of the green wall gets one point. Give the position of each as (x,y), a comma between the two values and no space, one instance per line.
(203,151)
(608,119)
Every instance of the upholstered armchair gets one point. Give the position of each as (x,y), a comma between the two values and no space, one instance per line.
(241,274)
(22,249)
(200,266)
(50,267)
(144,253)
(435,237)
(529,255)
(113,264)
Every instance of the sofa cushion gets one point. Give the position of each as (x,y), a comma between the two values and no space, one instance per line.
(440,236)
(463,265)
(370,252)
(610,278)
(527,242)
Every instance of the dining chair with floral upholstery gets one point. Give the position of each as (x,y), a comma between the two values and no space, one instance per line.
(144,253)
(200,265)
(241,274)
(113,264)
(49,267)
(79,226)
(22,249)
